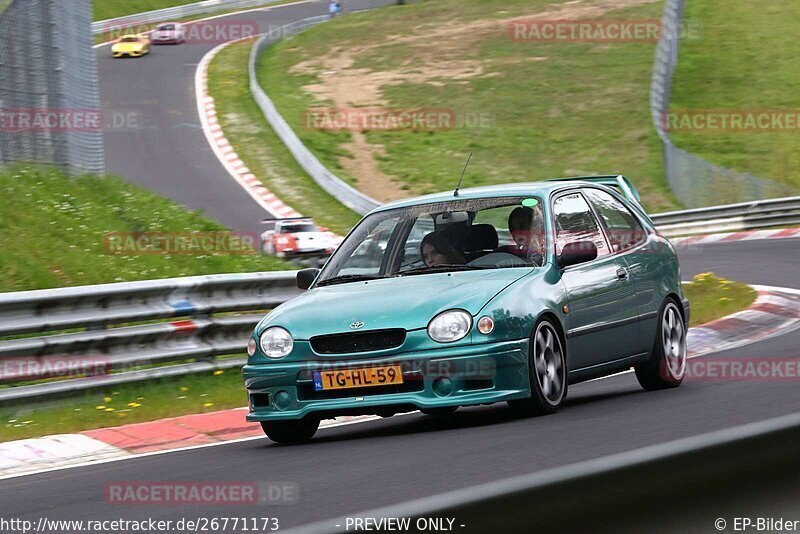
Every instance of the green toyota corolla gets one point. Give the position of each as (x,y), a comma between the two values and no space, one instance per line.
(504,293)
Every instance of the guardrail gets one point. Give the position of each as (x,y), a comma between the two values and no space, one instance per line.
(107,351)
(730,218)
(728,471)
(332,184)
(176,13)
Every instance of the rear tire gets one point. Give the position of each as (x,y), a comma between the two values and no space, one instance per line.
(299,431)
(547,369)
(667,364)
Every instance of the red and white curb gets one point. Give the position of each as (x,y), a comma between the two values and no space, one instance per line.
(750,235)
(222,147)
(775,311)
(49,453)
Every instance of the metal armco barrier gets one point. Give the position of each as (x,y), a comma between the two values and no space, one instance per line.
(332,184)
(111,352)
(730,218)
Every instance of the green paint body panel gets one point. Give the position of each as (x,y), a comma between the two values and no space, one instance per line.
(610,324)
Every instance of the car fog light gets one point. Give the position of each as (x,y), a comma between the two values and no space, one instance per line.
(283,400)
(485,325)
(443,386)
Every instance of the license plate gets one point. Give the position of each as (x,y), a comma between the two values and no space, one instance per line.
(358,378)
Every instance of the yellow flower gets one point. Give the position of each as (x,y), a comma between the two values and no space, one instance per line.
(107,399)
(724,299)
(218,372)
(208,405)
(133,404)
(139,398)
(109,410)
(101,407)
(184,389)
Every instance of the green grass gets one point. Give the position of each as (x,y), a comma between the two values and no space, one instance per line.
(259,147)
(713,297)
(109,9)
(746,59)
(52,232)
(123,404)
(582,110)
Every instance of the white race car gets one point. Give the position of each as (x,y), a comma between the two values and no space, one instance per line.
(168,33)
(298,238)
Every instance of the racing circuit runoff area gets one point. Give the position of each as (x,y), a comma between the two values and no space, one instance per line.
(714,455)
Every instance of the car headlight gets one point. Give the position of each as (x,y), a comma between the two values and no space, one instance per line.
(276,342)
(450,326)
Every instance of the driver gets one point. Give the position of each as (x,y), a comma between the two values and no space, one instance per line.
(436,250)
(527,230)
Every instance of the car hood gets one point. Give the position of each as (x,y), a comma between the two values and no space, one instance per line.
(406,302)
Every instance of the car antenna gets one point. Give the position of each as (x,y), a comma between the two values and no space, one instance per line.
(455,193)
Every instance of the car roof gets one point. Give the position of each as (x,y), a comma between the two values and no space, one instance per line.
(542,188)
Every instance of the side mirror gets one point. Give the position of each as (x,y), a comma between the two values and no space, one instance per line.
(306,277)
(577,252)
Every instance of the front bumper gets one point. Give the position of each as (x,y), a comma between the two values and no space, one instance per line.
(478,374)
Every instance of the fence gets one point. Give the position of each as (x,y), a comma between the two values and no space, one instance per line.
(693,180)
(48,72)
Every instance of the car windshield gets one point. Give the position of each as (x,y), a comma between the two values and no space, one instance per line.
(129,40)
(297,227)
(166,27)
(487,233)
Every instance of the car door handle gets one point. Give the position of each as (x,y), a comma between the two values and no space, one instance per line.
(622,274)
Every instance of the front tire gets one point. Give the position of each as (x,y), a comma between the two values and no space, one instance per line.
(667,364)
(299,431)
(547,369)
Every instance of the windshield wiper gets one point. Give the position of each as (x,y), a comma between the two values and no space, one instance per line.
(345,278)
(440,269)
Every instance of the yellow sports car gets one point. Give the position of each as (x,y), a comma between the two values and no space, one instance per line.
(131,46)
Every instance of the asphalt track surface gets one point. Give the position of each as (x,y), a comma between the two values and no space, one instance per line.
(353,468)
(162,147)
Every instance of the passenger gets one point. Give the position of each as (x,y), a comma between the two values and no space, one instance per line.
(436,250)
(527,230)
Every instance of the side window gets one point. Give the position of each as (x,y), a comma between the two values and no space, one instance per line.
(623,229)
(575,221)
